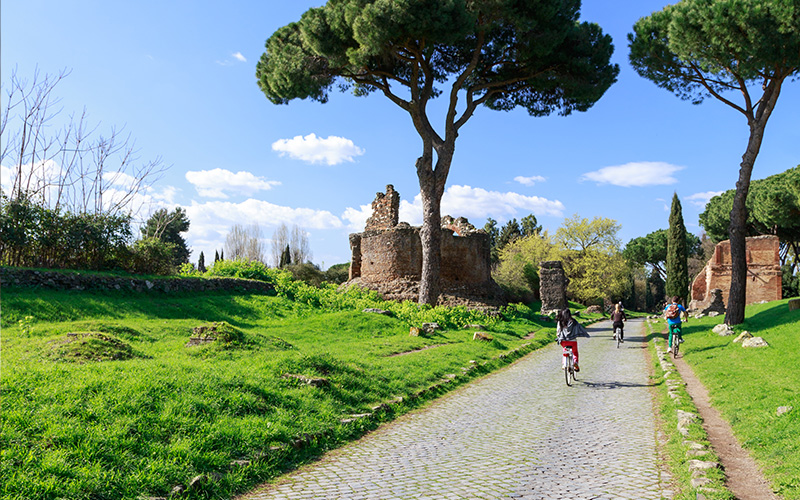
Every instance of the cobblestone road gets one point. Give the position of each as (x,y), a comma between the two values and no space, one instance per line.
(518,433)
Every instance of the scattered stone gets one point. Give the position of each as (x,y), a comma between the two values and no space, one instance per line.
(700,481)
(755,342)
(783,410)
(702,465)
(430,327)
(744,335)
(375,310)
(197,482)
(312,381)
(723,330)
(240,463)
(693,445)
(482,336)
(713,314)
(414,331)
(696,453)
(177,490)
(594,310)
(684,419)
(474,327)
(699,315)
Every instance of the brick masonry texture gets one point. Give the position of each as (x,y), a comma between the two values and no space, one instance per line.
(763,273)
(518,433)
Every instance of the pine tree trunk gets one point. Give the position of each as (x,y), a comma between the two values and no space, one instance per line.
(431,190)
(737,297)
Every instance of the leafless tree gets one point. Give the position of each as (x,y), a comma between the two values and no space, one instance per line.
(299,247)
(64,163)
(297,241)
(245,243)
(280,238)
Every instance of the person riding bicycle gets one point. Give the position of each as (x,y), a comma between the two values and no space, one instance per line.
(618,318)
(567,331)
(672,312)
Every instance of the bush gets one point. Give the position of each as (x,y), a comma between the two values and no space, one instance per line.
(151,256)
(338,273)
(240,268)
(307,273)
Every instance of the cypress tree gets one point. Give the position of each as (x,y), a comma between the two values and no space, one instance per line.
(201,263)
(286,257)
(222,254)
(216,256)
(677,254)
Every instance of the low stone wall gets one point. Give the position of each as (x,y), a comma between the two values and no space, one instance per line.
(55,280)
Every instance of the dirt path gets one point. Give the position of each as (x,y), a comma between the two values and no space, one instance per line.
(743,476)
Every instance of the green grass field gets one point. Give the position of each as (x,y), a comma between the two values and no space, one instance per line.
(127,410)
(748,385)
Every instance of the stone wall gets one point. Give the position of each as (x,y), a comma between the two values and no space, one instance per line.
(763,273)
(552,286)
(389,259)
(10,277)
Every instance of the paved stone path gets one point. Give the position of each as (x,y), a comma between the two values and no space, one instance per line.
(518,433)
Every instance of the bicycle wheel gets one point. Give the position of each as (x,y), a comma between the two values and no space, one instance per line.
(568,370)
(618,333)
(675,346)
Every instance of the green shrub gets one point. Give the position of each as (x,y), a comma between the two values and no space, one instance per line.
(247,269)
(151,256)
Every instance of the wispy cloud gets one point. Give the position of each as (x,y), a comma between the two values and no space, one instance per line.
(313,149)
(702,199)
(234,58)
(466,201)
(529,181)
(217,183)
(636,174)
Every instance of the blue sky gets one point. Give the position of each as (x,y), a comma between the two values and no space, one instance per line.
(180,77)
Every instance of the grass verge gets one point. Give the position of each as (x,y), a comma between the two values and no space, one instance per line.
(684,440)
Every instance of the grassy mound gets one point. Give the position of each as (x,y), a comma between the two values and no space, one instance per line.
(81,347)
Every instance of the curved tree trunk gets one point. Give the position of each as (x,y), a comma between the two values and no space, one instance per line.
(737,230)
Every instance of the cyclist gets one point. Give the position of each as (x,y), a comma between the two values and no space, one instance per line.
(567,331)
(618,318)
(672,312)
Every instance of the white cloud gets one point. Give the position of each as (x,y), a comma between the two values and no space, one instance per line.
(636,174)
(239,57)
(529,181)
(211,221)
(466,201)
(702,199)
(214,183)
(313,149)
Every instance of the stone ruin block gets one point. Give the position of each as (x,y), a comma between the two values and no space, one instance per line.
(387,257)
(552,286)
(764,282)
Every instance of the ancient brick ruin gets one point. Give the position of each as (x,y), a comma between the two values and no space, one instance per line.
(763,273)
(552,286)
(387,257)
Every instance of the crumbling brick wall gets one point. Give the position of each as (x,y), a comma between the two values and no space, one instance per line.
(388,258)
(763,273)
(385,210)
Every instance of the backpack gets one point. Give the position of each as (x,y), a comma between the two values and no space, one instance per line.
(673,312)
